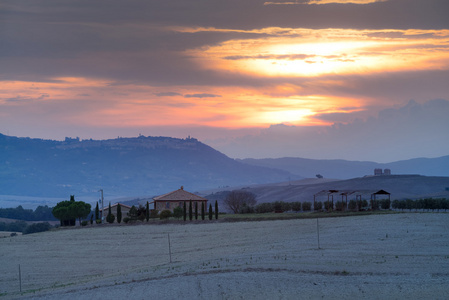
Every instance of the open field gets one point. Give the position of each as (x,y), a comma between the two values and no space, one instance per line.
(392,256)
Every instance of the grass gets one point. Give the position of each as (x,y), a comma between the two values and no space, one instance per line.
(305,215)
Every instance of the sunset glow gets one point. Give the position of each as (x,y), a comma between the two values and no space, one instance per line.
(314,68)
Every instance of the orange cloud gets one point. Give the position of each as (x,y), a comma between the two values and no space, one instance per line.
(324,2)
(307,52)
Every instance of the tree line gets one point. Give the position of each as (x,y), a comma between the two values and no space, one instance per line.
(244,202)
(41,213)
(422,204)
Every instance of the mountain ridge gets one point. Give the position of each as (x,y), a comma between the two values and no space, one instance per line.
(344,169)
(122,166)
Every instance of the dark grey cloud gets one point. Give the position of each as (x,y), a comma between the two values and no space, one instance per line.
(167,94)
(202,95)
(129,42)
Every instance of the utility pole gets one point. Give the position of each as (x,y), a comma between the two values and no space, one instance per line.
(102,206)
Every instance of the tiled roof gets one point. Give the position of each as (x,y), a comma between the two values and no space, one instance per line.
(114,205)
(179,195)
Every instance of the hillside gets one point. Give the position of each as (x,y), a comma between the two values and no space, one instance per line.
(399,186)
(344,169)
(122,166)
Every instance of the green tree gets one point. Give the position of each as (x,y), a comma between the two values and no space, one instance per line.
(177,212)
(296,206)
(210,211)
(352,205)
(80,210)
(119,213)
(147,212)
(133,213)
(165,214)
(97,212)
(110,217)
(37,227)
(216,210)
(184,211)
(306,206)
(235,200)
(190,211)
(62,212)
(196,210)
(317,205)
(202,210)
(68,211)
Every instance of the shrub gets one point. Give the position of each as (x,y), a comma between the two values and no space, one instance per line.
(307,206)
(281,206)
(165,214)
(37,227)
(352,205)
(264,208)
(328,205)
(296,206)
(244,209)
(177,212)
(154,213)
(126,220)
(84,223)
(340,205)
(385,204)
(317,205)
(132,213)
(98,221)
(110,218)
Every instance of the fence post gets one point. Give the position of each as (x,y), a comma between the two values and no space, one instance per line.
(169,247)
(20,279)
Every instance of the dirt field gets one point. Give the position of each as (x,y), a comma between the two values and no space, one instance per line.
(395,256)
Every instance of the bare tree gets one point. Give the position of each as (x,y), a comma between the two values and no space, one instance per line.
(237,199)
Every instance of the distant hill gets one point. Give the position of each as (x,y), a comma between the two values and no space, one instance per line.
(399,186)
(343,169)
(121,167)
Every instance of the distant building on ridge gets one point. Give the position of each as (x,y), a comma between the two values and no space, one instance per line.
(379,172)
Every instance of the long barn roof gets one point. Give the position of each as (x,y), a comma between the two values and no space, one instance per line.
(179,195)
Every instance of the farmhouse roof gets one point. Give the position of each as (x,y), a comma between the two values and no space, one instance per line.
(179,195)
(114,205)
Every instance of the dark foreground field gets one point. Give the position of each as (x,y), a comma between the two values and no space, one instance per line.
(392,256)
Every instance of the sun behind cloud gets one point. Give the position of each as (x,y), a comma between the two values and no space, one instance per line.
(308,52)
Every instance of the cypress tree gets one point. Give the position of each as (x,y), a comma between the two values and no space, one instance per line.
(185,211)
(210,211)
(110,217)
(119,213)
(202,211)
(196,210)
(190,211)
(216,210)
(97,212)
(147,212)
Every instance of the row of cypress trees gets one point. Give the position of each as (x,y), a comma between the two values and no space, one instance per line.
(203,211)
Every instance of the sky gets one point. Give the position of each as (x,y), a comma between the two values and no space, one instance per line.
(324,79)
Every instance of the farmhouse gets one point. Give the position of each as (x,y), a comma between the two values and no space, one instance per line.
(176,199)
(125,209)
